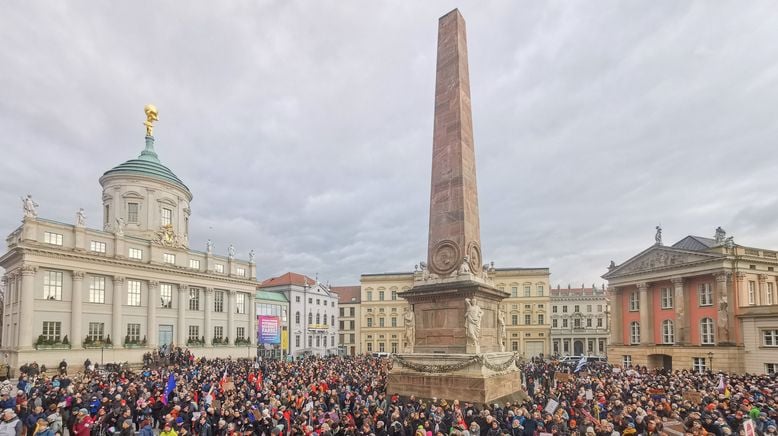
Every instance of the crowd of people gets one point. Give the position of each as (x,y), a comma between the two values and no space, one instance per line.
(176,394)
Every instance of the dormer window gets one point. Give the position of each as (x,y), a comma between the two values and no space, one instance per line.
(167,217)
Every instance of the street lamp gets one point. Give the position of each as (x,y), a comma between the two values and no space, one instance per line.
(710,359)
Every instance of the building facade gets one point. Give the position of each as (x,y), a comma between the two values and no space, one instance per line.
(125,288)
(381,328)
(527,308)
(313,312)
(579,321)
(273,304)
(349,298)
(701,303)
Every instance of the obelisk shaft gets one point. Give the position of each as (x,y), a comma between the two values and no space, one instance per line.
(454,227)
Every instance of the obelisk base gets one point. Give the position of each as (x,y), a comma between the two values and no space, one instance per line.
(475,378)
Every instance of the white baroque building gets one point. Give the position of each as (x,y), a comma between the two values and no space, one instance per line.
(133,280)
(313,314)
(579,321)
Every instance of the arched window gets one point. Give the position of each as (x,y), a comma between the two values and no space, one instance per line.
(318,318)
(668,332)
(706,332)
(297,317)
(634,332)
(310,317)
(332,320)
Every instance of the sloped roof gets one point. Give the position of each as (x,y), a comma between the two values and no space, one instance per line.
(348,294)
(290,278)
(271,296)
(695,243)
(557,292)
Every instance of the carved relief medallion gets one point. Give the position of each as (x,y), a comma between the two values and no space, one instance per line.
(474,256)
(445,257)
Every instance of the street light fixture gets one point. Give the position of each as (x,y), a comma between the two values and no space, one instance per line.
(710,360)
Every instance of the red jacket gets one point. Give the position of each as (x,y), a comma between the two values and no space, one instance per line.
(83,427)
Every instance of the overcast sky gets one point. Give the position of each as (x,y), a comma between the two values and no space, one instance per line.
(304,129)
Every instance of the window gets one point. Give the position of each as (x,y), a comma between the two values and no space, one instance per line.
(668,332)
(528,307)
(318,302)
(770,368)
(297,317)
(342,311)
(194,332)
(577,308)
(97,247)
(394,322)
(241,272)
(106,215)
(297,341)
(514,319)
(553,309)
(240,332)
(380,322)
(240,303)
(699,364)
(166,295)
(52,238)
(706,331)
(527,319)
(667,298)
(297,299)
(136,254)
(194,264)
(751,292)
(351,337)
(332,319)
(770,338)
(541,318)
(167,217)
(626,361)
(351,311)
(218,332)
(514,345)
(599,322)
(380,295)
(318,318)
(588,308)
(133,293)
(52,330)
(599,308)
(310,341)
(634,332)
(318,341)
(514,291)
(310,300)
(564,309)
(219,268)
(169,258)
(132,212)
(540,290)
(564,323)
(369,295)
(133,333)
(394,347)
(97,289)
(577,323)
(527,290)
(770,293)
(310,318)
(634,301)
(52,285)
(705,294)
(554,323)
(370,322)
(96,331)
(588,322)
(369,347)
(194,299)
(394,295)
(218,301)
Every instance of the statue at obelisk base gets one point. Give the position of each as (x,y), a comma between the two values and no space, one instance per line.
(457,349)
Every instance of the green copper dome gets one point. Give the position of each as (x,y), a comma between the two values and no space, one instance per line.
(148,164)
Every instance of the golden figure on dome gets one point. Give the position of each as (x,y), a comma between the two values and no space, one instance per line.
(151,116)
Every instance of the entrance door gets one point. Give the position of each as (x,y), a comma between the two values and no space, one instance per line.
(165,335)
(578,348)
(533,348)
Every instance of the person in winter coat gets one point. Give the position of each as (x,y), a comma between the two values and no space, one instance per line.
(84,423)
(42,428)
(168,430)
(55,423)
(11,425)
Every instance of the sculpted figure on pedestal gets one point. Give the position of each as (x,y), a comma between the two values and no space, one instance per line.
(119,230)
(29,207)
(209,247)
(231,252)
(473,316)
(501,331)
(409,322)
(80,218)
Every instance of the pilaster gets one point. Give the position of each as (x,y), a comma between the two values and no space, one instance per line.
(152,334)
(616,316)
(682,323)
(208,326)
(232,295)
(251,331)
(79,234)
(120,250)
(183,298)
(27,309)
(646,329)
(724,315)
(116,319)
(76,310)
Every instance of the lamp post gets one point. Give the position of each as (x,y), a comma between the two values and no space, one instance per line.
(710,360)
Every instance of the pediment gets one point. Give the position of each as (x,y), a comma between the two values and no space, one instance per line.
(659,258)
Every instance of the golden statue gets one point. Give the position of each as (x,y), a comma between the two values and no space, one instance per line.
(151,116)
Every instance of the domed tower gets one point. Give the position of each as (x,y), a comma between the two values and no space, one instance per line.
(144,198)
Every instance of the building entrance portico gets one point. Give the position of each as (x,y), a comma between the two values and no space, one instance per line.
(165,335)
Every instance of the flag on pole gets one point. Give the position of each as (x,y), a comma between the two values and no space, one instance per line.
(581,364)
(170,386)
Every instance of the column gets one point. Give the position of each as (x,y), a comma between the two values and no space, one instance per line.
(6,303)
(760,296)
(183,298)
(76,310)
(681,320)
(614,321)
(720,300)
(208,310)
(152,334)
(27,303)
(251,331)
(231,315)
(116,320)
(646,330)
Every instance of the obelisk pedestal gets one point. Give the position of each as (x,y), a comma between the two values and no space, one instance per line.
(456,352)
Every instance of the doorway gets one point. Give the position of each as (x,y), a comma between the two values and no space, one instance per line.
(578,348)
(165,335)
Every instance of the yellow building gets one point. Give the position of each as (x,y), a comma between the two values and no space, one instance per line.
(527,309)
(381,328)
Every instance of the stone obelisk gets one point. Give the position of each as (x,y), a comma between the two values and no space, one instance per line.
(456,351)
